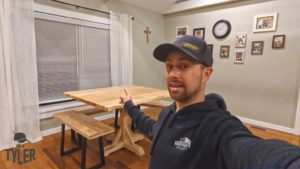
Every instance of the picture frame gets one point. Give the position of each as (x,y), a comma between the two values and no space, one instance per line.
(239,57)
(211,48)
(278,41)
(257,47)
(265,22)
(240,40)
(224,51)
(181,31)
(199,33)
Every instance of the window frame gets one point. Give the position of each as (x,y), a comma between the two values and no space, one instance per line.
(66,16)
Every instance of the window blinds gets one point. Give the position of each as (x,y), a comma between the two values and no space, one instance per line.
(56,59)
(70,57)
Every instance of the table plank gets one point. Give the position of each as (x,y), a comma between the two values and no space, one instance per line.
(108,98)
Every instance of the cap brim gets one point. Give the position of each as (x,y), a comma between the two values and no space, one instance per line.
(162,51)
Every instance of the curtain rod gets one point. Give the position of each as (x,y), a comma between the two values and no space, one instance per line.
(77,6)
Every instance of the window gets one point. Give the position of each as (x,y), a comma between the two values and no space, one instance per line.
(72,53)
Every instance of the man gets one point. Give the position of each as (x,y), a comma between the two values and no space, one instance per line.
(196,131)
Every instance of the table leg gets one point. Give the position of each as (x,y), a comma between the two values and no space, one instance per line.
(125,138)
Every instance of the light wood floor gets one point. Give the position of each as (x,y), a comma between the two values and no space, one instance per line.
(48,157)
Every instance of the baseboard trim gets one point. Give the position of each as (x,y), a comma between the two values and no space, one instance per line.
(269,125)
(58,129)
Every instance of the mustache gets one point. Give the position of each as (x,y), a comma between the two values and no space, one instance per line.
(175,83)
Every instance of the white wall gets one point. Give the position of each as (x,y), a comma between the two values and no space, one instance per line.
(265,87)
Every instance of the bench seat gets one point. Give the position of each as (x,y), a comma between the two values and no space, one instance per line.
(87,129)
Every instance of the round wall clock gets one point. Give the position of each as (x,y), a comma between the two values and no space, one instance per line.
(221,29)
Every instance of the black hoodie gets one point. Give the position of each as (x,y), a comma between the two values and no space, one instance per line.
(203,136)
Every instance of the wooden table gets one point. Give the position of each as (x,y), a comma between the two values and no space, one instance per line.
(108,99)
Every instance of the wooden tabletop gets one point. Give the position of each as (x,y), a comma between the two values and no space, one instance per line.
(108,98)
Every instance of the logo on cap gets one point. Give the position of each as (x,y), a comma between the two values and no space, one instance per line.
(190,46)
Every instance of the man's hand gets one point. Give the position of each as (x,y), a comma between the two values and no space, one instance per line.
(126,97)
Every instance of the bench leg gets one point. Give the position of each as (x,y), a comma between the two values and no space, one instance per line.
(116,118)
(62,141)
(83,153)
(82,142)
(73,138)
(62,144)
(101,153)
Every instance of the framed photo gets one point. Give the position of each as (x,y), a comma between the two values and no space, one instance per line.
(239,57)
(181,31)
(240,40)
(199,33)
(278,41)
(211,48)
(265,23)
(224,51)
(257,47)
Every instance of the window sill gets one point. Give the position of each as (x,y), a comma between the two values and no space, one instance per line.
(48,110)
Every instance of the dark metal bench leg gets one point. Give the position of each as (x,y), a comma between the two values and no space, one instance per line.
(82,143)
(101,153)
(83,153)
(73,138)
(101,150)
(116,118)
(62,143)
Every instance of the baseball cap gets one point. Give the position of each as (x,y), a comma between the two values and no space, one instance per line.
(192,46)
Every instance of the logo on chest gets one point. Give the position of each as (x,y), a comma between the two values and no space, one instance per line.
(183,144)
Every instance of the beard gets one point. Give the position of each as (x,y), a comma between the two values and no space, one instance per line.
(181,92)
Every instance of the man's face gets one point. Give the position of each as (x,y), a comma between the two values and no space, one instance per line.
(185,78)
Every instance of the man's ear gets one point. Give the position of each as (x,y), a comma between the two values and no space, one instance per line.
(207,73)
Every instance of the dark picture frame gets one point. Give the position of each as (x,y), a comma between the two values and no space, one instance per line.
(199,33)
(278,41)
(257,47)
(224,51)
(211,48)
(239,57)
(181,31)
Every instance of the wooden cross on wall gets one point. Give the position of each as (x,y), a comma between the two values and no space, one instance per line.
(147,32)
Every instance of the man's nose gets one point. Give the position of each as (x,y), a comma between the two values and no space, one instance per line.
(174,72)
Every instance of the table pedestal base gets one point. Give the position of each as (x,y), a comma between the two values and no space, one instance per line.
(125,138)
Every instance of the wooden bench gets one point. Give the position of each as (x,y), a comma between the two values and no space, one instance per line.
(87,129)
(88,112)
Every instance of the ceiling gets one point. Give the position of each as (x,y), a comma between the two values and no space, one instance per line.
(172,6)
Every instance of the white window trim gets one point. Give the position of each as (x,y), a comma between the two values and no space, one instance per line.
(48,110)
(40,12)
(69,14)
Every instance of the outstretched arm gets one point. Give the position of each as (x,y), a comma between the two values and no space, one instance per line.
(143,123)
(251,153)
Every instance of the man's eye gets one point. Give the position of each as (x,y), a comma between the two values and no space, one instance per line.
(169,67)
(183,67)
